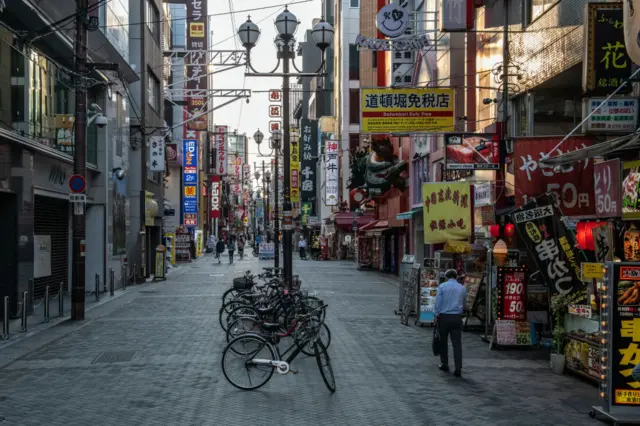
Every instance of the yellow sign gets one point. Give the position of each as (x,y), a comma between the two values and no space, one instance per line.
(190,191)
(386,110)
(446,212)
(149,207)
(295,173)
(196,29)
(159,269)
(591,271)
(627,396)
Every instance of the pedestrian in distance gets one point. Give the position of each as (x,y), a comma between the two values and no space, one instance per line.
(231,248)
(219,249)
(302,245)
(241,247)
(448,311)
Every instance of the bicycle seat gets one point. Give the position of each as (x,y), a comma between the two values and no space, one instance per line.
(266,310)
(270,326)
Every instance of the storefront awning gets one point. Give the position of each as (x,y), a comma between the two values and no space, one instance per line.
(608,148)
(377,225)
(345,220)
(409,215)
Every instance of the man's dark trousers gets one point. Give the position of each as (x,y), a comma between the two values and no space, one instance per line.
(450,324)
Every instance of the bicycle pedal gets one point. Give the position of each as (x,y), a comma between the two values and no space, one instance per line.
(293,371)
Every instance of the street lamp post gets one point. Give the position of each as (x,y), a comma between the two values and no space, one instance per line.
(286,24)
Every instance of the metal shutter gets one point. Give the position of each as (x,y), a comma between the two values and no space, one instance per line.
(51,217)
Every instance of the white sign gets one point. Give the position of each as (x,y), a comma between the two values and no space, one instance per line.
(453,15)
(616,115)
(215,197)
(275,95)
(41,256)
(482,194)
(275,111)
(406,43)
(221,152)
(534,213)
(332,176)
(77,198)
(392,20)
(156,154)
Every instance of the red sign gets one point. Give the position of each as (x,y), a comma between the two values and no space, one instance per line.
(513,294)
(571,184)
(273,126)
(606,188)
(214,211)
(275,111)
(275,95)
(190,219)
(221,141)
(172,153)
(77,184)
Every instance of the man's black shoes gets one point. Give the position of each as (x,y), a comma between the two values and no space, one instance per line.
(443,367)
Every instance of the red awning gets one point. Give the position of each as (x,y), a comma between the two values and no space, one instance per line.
(344,220)
(375,226)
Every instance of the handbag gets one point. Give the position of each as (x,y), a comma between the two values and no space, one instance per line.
(435,344)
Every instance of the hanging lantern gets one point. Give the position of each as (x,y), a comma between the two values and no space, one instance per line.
(495,231)
(500,248)
(584,234)
(581,235)
(632,244)
(509,230)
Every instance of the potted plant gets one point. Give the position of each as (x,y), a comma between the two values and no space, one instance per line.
(558,310)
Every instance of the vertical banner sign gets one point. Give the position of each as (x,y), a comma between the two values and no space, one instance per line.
(456,15)
(550,243)
(606,188)
(512,294)
(331,175)
(308,157)
(190,182)
(446,212)
(211,166)
(156,154)
(214,211)
(238,173)
(295,172)
(607,64)
(572,186)
(624,331)
(196,63)
(221,149)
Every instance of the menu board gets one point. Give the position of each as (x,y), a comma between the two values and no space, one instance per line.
(512,293)
(472,284)
(583,356)
(183,246)
(514,333)
(428,290)
(625,334)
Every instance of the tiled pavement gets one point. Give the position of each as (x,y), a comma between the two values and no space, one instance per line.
(168,341)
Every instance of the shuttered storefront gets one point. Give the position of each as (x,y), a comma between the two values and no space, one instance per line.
(51,217)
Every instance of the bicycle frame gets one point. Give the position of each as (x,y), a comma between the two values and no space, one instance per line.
(282,366)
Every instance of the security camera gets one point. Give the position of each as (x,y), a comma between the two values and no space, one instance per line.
(119,173)
(101,121)
(95,107)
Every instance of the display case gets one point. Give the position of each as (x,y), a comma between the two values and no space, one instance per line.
(583,327)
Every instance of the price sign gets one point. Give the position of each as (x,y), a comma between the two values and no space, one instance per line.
(512,294)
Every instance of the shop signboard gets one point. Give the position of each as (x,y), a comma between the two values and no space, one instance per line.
(471,151)
(156,154)
(617,115)
(266,251)
(332,173)
(583,356)
(572,185)
(606,188)
(482,194)
(607,64)
(418,109)
(294,177)
(514,333)
(472,285)
(512,293)
(446,212)
(624,332)
(429,283)
(221,149)
(214,212)
(630,189)
(550,243)
(196,64)
(190,182)
(308,158)
(603,242)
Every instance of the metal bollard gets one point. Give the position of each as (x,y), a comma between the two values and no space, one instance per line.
(112,282)
(61,300)
(5,319)
(125,276)
(46,304)
(23,318)
(97,287)
(135,273)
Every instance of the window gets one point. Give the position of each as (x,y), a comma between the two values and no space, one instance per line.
(354,106)
(354,3)
(420,176)
(153,91)
(535,8)
(374,59)
(17,103)
(153,18)
(354,62)
(17,61)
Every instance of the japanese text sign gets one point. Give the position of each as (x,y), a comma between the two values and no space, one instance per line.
(215,194)
(446,212)
(308,158)
(190,179)
(630,190)
(617,115)
(607,64)
(221,149)
(553,248)
(294,162)
(471,151)
(512,294)
(606,188)
(275,95)
(572,185)
(426,110)
(156,154)
(332,175)
(196,63)
(625,333)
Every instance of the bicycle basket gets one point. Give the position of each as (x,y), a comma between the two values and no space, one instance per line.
(296,283)
(242,283)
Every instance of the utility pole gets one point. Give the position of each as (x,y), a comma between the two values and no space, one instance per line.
(286,153)
(79,160)
(276,213)
(505,71)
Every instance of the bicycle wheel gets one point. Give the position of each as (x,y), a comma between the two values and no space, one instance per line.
(240,311)
(308,335)
(226,309)
(237,366)
(242,325)
(324,364)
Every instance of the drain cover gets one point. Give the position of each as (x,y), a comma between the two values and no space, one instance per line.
(114,356)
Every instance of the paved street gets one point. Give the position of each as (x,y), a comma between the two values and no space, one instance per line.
(152,357)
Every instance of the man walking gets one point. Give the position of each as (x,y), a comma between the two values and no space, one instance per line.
(448,310)
(302,245)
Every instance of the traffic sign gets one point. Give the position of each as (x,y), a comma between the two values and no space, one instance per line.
(77,184)
(78,201)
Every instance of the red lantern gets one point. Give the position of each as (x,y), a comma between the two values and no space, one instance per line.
(495,231)
(584,234)
(581,235)
(509,230)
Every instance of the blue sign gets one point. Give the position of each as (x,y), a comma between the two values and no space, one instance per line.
(190,179)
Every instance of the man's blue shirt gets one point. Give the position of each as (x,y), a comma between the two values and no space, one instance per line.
(450,298)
